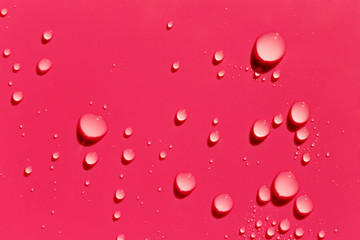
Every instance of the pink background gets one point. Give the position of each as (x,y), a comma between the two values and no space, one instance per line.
(320,67)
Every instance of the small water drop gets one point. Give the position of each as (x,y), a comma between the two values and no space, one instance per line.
(284,225)
(169,25)
(215,121)
(3,12)
(252,235)
(222,205)
(241,230)
(43,66)
(175,66)
(213,138)
(285,186)
(264,194)
(299,113)
(303,206)
(117,215)
(120,237)
(260,129)
(16,67)
(275,75)
(47,36)
(90,159)
(17,97)
(278,120)
(128,132)
(7,52)
(119,195)
(258,224)
(184,184)
(87,183)
(299,232)
(327,154)
(28,170)
(91,128)
(302,134)
(256,75)
(162,155)
(128,156)
(220,74)
(55,156)
(218,57)
(321,234)
(181,116)
(270,232)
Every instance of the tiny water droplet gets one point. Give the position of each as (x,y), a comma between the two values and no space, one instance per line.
(16,67)
(169,25)
(87,183)
(185,183)
(321,234)
(55,156)
(306,158)
(327,154)
(285,185)
(28,170)
(222,204)
(275,75)
(215,121)
(302,134)
(55,136)
(220,74)
(278,119)
(218,56)
(175,66)
(270,232)
(299,113)
(105,107)
(47,36)
(10,83)
(273,223)
(299,232)
(119,195)
(260,129)
(214,137)
(128,132)
(90,159)
(7,52)
(264,194)
(43,66)
(242,230)
(3,12)
(120,237)
(128,155)
(17,97)
(162,155)
(284,225)
(181,116)
(303,205)
(256,75)
(91,128)
(116,215)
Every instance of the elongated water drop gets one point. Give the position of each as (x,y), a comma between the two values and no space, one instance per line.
(264,194)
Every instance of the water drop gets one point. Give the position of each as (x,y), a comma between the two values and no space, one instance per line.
(253,235)
(241,230)
(184,184)
(7,52)
(87,183)
(55,156)
(260,130)
(169,25)
(47,36)
(16,67)
(285,186)
(117,215)
(321,234)
(180,117)
(91,128)
(17,97)
(215,121)
(119,195)
(220,74)
(162,155)
(128,132)
(327,154)
(120,237)
(275,75)
(270,232)
(299,113)
(278,120)
(299,232)
(3,12)
(305,158)
(303,206)
(213,138)
(43,66)
(90,160)
(302,135)
(258,224)
(28,170)
(222,205)
(264,195)
(175,66)
(284,225)
(218,57)
(268,51)
(128,156)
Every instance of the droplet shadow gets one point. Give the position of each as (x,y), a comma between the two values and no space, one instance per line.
(255,140)
(178,194)
(257,65)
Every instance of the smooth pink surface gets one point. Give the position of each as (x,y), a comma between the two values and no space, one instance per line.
(119,54)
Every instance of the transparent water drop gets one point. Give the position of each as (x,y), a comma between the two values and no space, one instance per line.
(181,116)
(285,186)
(3,12)
(305,158)
(47,36)
(284,225)
(258,224)
(215,121)
(214,137)
(169,25)
(128,155)
(162,155)
(17,97)
(55,156)
(327,154)
(220,74)
(16,67)
(275,75)
(91,128)
(268,51)
(90,159)
(117,215)
(119,195)
(43,66)
(303,205)
(264,194)
(28,170)
(299,232)
(270,232)
(7,52)
(175,66)
(252,235)
(128,132)
(302,134)
(10,83)
(278,119)
(321,234)
(241,230)
(222,205)
(87,183)
(218,57)
(120,237)
(184,184)
(256,75)
(260,129)
(299,113)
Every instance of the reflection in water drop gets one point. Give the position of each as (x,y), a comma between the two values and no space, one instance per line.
(220,74)
(162,155)
(275,75)
(3,12)
(55,156)
(128,132)
(120,237)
